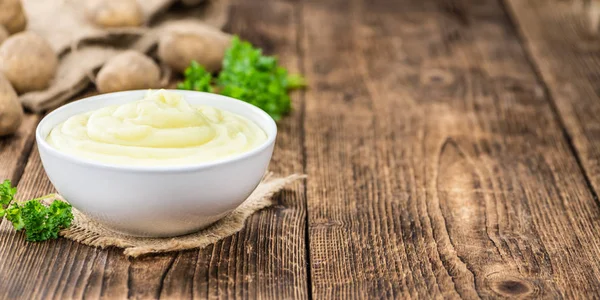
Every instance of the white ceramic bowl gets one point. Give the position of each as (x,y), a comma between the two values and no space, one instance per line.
(156,201)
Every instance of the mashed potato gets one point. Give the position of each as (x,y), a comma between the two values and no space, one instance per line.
(161,129)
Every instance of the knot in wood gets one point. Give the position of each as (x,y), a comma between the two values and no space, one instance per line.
(510,286)
(437,77)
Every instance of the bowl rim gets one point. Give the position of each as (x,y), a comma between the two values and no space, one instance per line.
(42,143)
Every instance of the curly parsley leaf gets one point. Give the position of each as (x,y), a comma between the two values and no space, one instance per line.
(196,79)
(40,222)
(44,222)
(13,214)
(7,194)
(250,76)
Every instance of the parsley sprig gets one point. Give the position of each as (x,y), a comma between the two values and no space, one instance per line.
(39,221)
(196,79)
(250,76)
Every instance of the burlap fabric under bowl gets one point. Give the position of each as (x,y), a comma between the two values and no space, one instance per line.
(88,232)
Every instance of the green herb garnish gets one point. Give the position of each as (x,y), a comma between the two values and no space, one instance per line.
(40,222)
(250,76)
(196,79)
(7,194)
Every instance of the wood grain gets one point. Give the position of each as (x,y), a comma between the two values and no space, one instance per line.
(566,54)
(265,260)
(437,167)
(15,149)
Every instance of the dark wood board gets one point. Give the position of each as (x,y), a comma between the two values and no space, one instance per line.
(566,53)
(437,167)
(15,149)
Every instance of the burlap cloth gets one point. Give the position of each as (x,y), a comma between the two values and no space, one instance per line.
(88,232)
(83,47)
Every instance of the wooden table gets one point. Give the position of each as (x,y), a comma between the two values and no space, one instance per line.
(452,149)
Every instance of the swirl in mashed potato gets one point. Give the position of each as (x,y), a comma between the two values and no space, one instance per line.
(161,129)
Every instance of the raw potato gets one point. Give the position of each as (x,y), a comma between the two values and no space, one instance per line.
(11,112)
(12,16)
(130,70)
(3,34)
(115,13)
(192,41)
(28,61)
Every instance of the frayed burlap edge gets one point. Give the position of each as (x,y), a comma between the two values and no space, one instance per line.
(91,233)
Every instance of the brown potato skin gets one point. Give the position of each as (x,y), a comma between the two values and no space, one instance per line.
(12,16)
(184,44)
(115,13)
(130,70)
(28,61)
(11,111)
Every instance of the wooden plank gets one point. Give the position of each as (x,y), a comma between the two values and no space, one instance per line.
(267,259)
(60,268)
(15,149)
(436,165)
(566,54)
